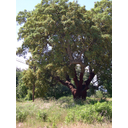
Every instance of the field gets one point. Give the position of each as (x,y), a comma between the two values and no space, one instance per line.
(64,113)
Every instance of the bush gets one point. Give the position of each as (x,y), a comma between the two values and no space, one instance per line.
(58,91)
(65,99)
(99,94)
(70,117)
(21,115)
(42,115)
(104,109)
(29,95)
(21,90)
(90,113)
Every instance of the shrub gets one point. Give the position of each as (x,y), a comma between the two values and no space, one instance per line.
(104,109)
(90,113)
(65,99)
(42,115)
(70,117)
(99,94)
(29,95)
(58,91)
(21,115)
(79,101)
(21,90)
(90,100)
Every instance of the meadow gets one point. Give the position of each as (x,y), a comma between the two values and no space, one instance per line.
(64,113)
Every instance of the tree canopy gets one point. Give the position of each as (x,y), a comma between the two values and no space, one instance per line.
(61,34)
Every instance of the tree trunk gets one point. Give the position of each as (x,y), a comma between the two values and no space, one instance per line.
(80,92)
(33,91)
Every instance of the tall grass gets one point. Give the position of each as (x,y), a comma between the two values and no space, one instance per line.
(63,112)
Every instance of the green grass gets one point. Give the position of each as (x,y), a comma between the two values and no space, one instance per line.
(64,111)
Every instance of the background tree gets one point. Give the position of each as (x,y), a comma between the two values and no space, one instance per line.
(105,80)
(34,80)
(21,89)
(60,35)
(18,75)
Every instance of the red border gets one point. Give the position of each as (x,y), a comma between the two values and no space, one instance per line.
(8,64)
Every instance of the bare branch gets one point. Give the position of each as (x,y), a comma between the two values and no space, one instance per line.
(66,83)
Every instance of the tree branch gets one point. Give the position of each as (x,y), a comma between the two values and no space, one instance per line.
(81,80)
(75,79)
(67,78)
(91,76)
(87,82)
(66,83)
(81,75)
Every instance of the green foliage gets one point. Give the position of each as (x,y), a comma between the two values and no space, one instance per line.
(57,91)
(65,99)
(58,32)
(91,100)
(24,86)
(70,117)
(71,20)
(105,79)
(90,113)
(21,115)
(104,109)
(42,115)
(91,91)
(29,78)
(29,95)
(21,90)
(18,76)
(99,94)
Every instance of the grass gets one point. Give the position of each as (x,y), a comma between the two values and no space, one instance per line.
(64,113)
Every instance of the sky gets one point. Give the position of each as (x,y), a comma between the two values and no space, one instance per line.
(29,6)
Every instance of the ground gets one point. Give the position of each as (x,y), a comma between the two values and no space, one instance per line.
(60,113)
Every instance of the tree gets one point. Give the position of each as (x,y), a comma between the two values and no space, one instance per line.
(29,79)
(61,35)
(18,75)
(33,79)
(105,80)
(21,89)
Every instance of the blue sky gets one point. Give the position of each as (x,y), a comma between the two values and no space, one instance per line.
(29,5)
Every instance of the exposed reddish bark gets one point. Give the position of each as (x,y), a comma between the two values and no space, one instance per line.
(81,80)
(86,85)
(68,84)
(75,78)
(80,92)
